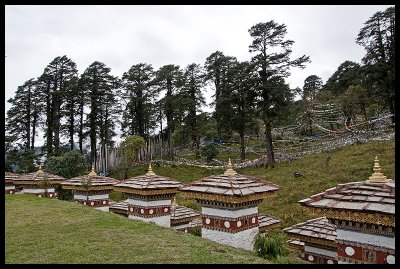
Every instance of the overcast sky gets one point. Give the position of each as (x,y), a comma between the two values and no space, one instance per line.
(121,36)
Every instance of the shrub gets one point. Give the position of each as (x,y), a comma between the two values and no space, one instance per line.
(70,164)
(196,231)
(270,247)
(63,194)
(210,152)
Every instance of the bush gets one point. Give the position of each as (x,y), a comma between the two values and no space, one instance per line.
(70,164)
(210,152)
(64,194)
(270,247)
(196,231)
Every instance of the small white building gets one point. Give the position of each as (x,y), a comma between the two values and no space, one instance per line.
(39,183)
(364,214)
(230,206)
(315,239)
(149,197)
(91,190)
(9,182)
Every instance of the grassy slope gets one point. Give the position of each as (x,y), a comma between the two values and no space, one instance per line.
(51,231)
(320,172)
(81,239)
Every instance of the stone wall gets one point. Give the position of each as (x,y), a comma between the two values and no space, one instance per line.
(243,239)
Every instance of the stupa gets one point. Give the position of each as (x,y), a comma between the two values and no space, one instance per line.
(315,239)
(149,197)
(364,214)
(39,183)
(229,206)
(9,182)
(91,190)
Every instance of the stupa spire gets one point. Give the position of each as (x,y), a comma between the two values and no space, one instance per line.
(92,173)
(229,169)
(150,171)
(377,176)
(40,169)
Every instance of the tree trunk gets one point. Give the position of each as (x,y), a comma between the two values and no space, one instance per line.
(71,129)
(28,123)
(268,141)
(34,130)
(170,144)
(49,121)
(392,111)
(242,147)
(56,121)
(81,127)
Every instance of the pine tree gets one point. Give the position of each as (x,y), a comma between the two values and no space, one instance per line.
(217,66)
(139,94)
(242,100)
(193,99)
(378,38)
(271,64)
(23,115)
(56,78)
(169,79)
(100,87)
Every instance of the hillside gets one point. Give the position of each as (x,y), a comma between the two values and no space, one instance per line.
(64,232)
(320,172)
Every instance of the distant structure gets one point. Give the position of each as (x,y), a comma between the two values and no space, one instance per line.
(39,183)
(9,182)
(120,208)
(91,190)
(267,223)
(230,206)
(315,239)
(364,215)
(149,197)
(184,218)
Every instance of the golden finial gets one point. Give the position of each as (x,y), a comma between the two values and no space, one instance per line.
(174,201)
(150,171)
(229,170)
(92,173)
(377,176)
(40,169)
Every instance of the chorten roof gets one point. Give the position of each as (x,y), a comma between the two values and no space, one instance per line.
(181,214)
(229,187)
(266,222)
(375,195)
(149,184)
(318,230)
(119,207)
(94,181)
(36,178)
(9,177)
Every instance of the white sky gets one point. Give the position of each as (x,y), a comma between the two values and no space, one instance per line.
(121,36)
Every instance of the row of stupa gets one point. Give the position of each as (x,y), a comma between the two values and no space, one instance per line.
(356,222)
(229,202)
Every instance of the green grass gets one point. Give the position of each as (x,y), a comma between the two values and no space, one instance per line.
(52,231)
(39,230)
(320,172)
